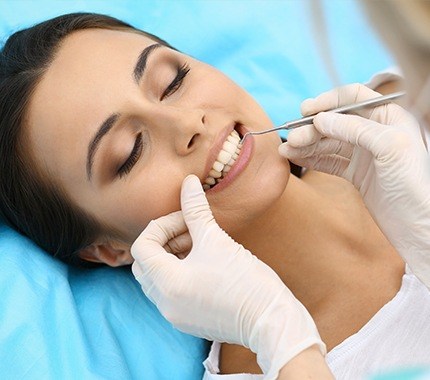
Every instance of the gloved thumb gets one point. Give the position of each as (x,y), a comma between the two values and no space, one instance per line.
(195,207)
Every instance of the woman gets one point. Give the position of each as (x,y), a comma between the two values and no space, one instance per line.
(101,123)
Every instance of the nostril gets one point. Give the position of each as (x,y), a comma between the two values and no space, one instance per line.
(192,141)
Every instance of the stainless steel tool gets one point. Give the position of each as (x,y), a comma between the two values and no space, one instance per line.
(344,109)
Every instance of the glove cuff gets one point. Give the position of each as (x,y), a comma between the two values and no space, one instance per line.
(284,330)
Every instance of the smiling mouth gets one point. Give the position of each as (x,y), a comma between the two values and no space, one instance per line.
(225,160)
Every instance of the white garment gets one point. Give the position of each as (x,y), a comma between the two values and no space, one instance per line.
(398,335)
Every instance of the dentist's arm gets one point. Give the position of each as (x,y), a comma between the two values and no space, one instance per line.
(222,292)
(382,153)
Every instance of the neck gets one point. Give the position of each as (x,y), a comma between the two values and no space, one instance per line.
(321,241)
(312,239)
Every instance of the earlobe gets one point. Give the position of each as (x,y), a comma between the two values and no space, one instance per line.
(108,254)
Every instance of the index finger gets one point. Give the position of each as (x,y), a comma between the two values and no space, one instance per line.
(157,234)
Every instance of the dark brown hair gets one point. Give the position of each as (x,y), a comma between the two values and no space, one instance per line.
(30,203)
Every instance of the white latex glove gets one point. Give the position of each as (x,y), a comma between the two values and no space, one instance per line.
(220,291)
(382,153)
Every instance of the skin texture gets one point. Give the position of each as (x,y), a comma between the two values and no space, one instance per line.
(83,92)
(315,233)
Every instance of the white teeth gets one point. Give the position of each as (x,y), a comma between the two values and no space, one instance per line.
(215,174)
(229,147)
(218,166)
(224,157)
(233,139)
(210,181)
(225,160)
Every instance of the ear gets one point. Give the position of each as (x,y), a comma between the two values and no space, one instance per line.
(113,254)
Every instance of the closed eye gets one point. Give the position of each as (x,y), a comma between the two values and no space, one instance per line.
(177,81)
(134,156)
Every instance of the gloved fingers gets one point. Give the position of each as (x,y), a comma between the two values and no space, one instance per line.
(382,141)
(325,146)
(303,136)
(156,235)
(355,130)
(180,245)
(349,94)
(195,207)
(152,261)
(395,115)
(330,164)
(146,281)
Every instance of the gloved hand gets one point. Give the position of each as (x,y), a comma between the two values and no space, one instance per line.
(220,291)
(382,153)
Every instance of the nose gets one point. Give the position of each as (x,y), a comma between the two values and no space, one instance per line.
(182,127)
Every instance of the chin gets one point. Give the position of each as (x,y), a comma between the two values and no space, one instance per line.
(260,188)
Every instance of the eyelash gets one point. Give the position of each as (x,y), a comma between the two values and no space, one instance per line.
(134,156)
(138,145)
(177,82)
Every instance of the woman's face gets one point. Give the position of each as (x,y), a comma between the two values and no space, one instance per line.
(119,121)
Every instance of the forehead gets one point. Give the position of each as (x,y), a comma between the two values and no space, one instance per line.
(87,56)
(86,45)
(84,82)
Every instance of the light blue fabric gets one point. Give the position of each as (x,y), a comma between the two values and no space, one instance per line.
(62,323)
(404,374)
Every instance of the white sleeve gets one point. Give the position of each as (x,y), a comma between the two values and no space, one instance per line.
(211,365)
(384,76)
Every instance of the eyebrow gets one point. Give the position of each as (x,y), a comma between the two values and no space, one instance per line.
(141,61)
(109,123)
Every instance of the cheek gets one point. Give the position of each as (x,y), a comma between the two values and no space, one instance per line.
(218,89)
(130,205)
(149,201)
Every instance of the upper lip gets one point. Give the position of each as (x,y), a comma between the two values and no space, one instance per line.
(216,148)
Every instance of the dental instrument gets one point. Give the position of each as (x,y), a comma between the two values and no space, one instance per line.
(380,100)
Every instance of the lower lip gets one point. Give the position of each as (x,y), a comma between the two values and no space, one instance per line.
(240,164)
